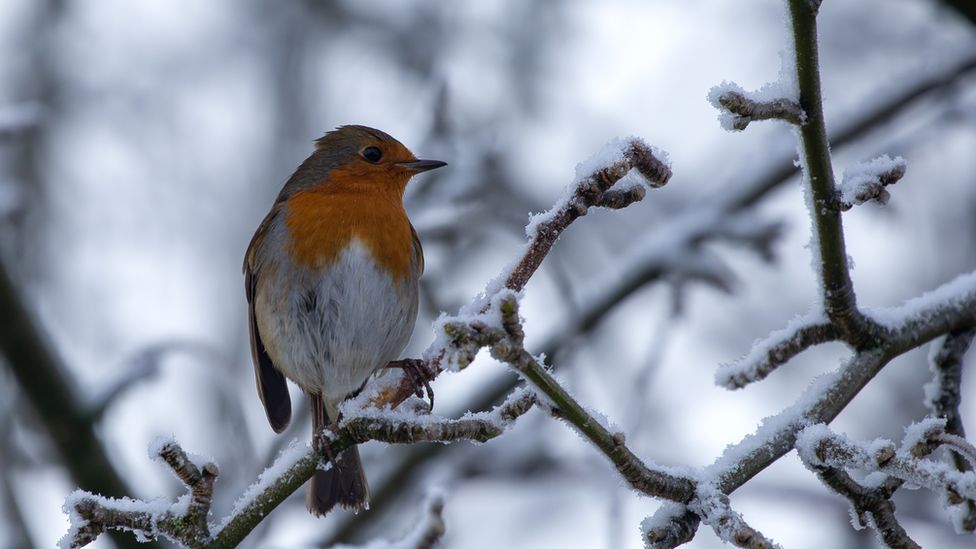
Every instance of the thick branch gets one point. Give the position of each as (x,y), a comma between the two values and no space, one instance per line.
(946,365)
(870,507)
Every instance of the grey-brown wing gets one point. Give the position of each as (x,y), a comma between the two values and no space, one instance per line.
(272,387)
(418,250)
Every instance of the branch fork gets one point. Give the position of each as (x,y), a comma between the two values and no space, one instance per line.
(184,521)
(829,455)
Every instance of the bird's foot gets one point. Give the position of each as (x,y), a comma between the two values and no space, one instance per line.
(420,375)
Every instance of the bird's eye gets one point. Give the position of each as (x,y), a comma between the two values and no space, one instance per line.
(372,154)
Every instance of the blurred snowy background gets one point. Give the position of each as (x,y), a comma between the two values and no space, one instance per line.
(141,142)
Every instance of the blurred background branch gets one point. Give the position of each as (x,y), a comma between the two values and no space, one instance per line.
(52,396)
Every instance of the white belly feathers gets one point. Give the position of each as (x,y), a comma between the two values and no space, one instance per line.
(338,325)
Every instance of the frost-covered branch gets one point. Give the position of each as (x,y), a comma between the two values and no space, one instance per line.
(672,525)
(948,308)
(777,349)
(682,234)
(866,181)
(739,108)
(943,399)
(185,520)
(875,338)
(598,184)
(942,393)
(504,339)
(828,453)
(871,507)
(871,504)
(593,189)
(713,507)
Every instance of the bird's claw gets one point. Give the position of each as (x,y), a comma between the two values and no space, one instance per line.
(419,374)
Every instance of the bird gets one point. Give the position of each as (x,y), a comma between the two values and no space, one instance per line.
(331,277)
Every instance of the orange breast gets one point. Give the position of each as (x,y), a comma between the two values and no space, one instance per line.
(323,221)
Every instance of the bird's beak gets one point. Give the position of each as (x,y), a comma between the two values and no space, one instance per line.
(417,166)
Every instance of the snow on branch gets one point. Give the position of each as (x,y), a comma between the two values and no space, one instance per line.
(602,181)
(505,341)
(866,181)
(185,521)
(828,453)
(942,398)
(778,348)
(594,187)
(713,507)
(738,108)
(672,525)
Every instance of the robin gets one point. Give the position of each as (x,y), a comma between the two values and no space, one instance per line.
(331,277)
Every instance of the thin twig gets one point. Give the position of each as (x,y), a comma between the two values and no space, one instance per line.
(745,110)
(778,349)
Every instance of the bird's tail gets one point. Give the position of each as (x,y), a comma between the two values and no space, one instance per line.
(344,483)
